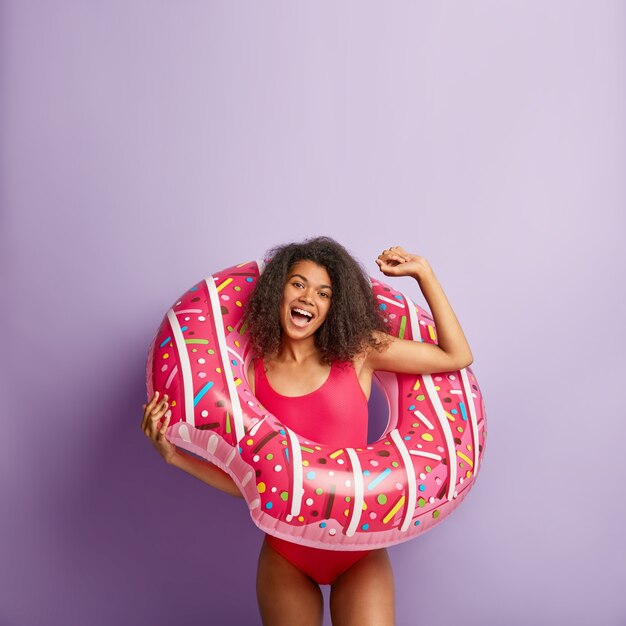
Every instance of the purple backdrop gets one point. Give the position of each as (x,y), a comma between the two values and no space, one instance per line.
(147,144)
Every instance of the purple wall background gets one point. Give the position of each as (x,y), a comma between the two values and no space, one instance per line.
(145,145)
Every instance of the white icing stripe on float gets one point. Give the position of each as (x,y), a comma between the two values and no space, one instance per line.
(235,354)
(410,479)
(296,464)
(415,328)
(428,455)
(357,510)
(391,301)
(256,427)
(261,265)
(447,431)
(472,411)
(424,419)
(185,366)
(231,456)
(228,373)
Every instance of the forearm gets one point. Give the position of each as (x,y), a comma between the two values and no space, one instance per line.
(206,472)
(450,336)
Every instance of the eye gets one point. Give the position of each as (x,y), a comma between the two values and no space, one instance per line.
(324,294)
(297,284)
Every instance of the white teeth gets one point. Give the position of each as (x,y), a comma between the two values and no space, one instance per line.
(307,313)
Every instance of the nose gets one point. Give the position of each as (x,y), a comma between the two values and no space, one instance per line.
(306,297)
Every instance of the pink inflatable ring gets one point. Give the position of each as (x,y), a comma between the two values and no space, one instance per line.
(299,490)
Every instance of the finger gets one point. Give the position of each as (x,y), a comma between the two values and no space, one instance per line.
(160,405)
(166,422)
(152,418)
(153,400)
(159,411)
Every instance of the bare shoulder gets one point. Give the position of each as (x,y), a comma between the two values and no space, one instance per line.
(251,375)
(363,360)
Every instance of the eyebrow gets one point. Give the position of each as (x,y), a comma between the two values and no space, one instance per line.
(304,278)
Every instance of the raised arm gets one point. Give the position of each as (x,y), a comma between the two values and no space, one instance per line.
(413,357)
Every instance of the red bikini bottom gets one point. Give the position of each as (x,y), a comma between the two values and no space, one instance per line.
(323,566)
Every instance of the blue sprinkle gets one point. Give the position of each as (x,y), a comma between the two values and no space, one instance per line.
(463,411)
(269,505)
(184,328)
(234,362)
(422,487)
(166,341)
(365,527)
(310,475)
(382,307)
(240,449)
(412,407)
(407,438)
(417,522)
(194,288)
(453,411)
(201,393)
(397,296)
(366,472)
(323,525)
(386,472)
(249,279)
(281,431)
(287,455)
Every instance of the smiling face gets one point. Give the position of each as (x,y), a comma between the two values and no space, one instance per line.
(306,299)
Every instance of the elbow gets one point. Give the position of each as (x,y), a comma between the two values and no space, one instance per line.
(464,361)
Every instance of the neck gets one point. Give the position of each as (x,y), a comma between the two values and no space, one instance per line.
(297,351)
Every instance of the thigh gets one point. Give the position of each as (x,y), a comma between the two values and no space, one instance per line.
(364,595)
(286,596)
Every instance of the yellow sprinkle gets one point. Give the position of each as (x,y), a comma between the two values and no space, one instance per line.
(427,437)
(261,487)
(465,458)
(218,370)
(469,446)
(173,402)
(393,511)
(346,512)
(468,474)
(301,518)
(305,463)
(417,385)
(238,302)
(336,453)
(166,356)
(250,442)
(317,448)
(226,282)
(237,382)
(431,332)
(364,506)
(450,416)
(437,387)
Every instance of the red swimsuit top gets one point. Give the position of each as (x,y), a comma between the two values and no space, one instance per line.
(334,414)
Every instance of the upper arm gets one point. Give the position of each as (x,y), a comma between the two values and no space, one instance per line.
(405,356)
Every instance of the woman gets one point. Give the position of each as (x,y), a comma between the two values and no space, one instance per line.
(318,337)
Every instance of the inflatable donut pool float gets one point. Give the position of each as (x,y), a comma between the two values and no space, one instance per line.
(299,490)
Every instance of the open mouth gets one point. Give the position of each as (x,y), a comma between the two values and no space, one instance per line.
(301,317)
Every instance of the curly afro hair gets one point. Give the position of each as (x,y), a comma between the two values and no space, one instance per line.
(353,315)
